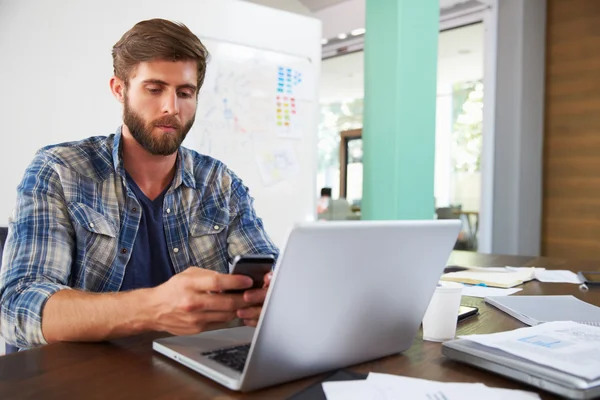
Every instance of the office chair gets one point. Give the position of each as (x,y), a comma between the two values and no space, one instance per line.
(3,234)
(453,212)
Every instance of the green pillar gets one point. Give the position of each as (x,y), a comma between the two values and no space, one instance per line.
(399,116)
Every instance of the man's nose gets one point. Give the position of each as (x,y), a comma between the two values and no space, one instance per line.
(171,104)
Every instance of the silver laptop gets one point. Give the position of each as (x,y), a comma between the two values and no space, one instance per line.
(342,293)
(520,369)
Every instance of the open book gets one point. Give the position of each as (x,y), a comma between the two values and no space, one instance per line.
(496,277)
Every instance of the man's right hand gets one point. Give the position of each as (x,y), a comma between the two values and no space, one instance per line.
(192,300)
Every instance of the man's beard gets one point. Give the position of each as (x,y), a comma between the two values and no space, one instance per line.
(165,144)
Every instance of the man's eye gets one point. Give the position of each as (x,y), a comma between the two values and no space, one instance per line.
(154,90)
(185,95)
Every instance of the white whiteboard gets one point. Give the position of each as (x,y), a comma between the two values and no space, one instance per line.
(256,114)
(69,98)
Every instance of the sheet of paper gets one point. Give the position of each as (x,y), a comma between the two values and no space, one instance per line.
(352,390)
(566,346)
(489,269)
(392,387)
(483,291)
(557,276)
(547,275)
(395,387)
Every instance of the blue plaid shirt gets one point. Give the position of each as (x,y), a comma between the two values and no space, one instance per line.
(76,220)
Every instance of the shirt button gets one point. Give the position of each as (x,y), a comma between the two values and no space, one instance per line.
(123,250)
(168,211)
(92,225)
(216,227)
(134,209)
(175,250)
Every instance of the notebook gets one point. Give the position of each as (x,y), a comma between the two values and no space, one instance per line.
(504,279)
(535,310)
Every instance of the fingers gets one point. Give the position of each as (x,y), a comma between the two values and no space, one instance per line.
(255,296)
(249,313)
(193,323)
(267,279)
(219,302)
(251,322)
(210,281)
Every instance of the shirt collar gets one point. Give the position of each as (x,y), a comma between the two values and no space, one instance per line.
(184,173)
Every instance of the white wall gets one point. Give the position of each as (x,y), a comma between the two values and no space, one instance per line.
(57,63)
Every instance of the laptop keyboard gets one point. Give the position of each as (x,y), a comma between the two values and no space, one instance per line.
(232,357)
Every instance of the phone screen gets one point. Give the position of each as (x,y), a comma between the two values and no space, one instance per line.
(253,266)
(466,312)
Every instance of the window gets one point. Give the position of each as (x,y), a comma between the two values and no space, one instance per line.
(458,121)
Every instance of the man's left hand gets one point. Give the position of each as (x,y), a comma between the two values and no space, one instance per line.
(255,296)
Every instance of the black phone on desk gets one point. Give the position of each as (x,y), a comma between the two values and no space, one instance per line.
(465,312)
(253,265)
(589,277)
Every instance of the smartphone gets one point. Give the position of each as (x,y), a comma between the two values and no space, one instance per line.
(465,312)
(254,266)
(589,277)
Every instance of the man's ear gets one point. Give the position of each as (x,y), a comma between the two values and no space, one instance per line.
(117,87)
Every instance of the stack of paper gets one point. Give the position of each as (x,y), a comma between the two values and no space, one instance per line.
(566,346)
(384,387)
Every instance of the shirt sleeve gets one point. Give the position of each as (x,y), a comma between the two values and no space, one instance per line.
(247,234)
(37,256)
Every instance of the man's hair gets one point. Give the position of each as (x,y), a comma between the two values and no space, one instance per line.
(326,191)
(158,39)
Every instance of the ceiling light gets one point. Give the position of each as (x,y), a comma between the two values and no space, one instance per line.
(342,36)
(324,41)
(359,31)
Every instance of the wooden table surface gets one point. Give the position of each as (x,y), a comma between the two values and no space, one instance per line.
(128,368)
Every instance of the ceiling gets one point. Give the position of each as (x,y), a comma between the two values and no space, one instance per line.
(309,7)
(460,58)
(316,5)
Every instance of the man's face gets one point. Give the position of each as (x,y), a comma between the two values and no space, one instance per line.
(160,104)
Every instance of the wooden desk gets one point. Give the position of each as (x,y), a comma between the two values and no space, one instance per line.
(128,368)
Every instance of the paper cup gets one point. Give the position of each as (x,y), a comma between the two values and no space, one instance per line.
(439,322)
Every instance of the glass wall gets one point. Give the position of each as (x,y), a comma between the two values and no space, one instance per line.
(458,124)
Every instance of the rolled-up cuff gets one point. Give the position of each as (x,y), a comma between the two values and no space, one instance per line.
(25,314)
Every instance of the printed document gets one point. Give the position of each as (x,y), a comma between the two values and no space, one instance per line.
(567,346)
